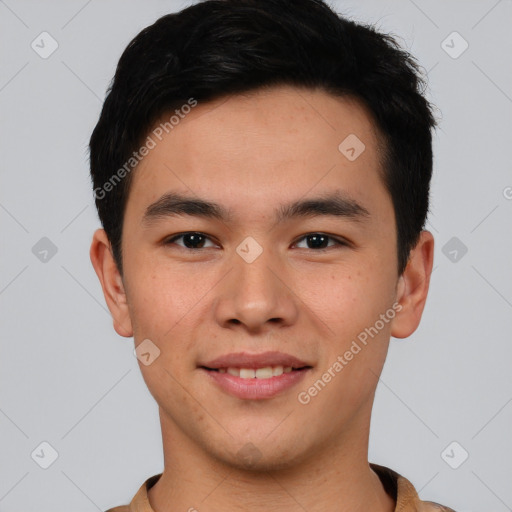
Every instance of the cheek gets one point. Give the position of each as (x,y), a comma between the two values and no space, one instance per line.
(162,296)
(347,300)
(350,305)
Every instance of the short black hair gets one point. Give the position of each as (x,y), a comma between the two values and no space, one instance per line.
(217,48)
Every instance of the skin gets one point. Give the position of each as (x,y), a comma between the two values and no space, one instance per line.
(251,153)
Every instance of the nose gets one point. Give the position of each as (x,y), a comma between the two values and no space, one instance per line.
(254,296)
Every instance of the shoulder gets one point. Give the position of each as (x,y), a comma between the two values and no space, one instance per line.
(430,506)
(404,493)
(140,501)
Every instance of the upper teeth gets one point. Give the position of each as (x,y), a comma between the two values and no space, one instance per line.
(260,373)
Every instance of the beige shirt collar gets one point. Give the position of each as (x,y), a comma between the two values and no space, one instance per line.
(398,487)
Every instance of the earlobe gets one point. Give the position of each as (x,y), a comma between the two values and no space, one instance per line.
(412,287)
(111,283)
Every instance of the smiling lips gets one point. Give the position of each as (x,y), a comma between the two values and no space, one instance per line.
(255,366)
(255,376)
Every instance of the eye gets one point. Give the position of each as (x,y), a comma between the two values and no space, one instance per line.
(320,241)
(191,240)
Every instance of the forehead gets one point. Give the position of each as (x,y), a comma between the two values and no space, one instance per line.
(264,147)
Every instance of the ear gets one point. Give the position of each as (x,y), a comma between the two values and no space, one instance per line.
(412,287)
(111,282)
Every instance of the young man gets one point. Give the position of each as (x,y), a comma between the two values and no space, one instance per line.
(261,169)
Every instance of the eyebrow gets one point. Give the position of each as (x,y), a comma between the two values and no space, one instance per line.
(336,204)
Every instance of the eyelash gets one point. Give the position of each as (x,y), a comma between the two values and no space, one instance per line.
(338,242)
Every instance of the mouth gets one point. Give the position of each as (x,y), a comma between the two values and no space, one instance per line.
(255,376)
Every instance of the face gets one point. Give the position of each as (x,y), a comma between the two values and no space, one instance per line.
(249,230)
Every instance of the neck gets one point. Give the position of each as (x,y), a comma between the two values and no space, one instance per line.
(334,478)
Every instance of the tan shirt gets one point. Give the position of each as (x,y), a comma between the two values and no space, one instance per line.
(398,487)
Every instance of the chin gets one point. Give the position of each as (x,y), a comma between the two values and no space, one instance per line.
(261,457)
(264,465)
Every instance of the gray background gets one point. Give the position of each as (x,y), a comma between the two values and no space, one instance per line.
(68,379)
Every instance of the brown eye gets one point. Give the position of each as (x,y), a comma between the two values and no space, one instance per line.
(320,241)
(191,240)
